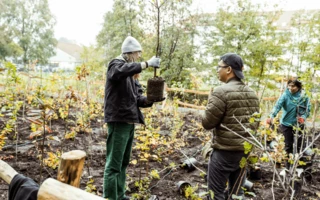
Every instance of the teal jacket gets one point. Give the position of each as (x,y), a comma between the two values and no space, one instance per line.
(293,106)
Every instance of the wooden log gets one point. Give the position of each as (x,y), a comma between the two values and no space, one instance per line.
(52,189)
(70,168)
(269,98)
(187,91)
(7,172)
(191,105)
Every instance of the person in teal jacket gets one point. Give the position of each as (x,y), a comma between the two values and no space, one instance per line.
(295,107)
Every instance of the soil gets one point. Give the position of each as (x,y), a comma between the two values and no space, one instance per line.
(155,87)
(190,140)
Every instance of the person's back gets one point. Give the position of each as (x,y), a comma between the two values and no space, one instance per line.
(228,111)
(240,102)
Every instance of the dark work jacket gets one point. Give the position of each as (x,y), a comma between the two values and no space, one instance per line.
(23,188)
(123,94)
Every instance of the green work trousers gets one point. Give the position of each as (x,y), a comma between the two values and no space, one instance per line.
(119,144)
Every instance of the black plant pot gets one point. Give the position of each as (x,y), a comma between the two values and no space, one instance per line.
(189,164)
(255,174)
(182,186)
(297,186)
(155,87)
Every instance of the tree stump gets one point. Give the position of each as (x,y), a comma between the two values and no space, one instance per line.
(70,168)
(52,189)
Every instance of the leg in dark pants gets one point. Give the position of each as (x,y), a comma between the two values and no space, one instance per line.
(224,166)
(289,135)
(287,132)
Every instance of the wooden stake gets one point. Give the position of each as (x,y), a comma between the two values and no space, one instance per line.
(70,168)
(7,172)
(52,189)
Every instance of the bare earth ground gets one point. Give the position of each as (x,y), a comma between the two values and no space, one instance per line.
(24,160)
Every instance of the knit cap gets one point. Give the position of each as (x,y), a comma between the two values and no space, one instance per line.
(130,44)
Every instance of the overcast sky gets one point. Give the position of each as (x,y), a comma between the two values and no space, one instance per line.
(81,20)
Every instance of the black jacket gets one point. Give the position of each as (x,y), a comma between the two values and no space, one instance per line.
(123,94)
(23,188)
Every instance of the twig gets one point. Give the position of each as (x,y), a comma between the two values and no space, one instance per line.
(160,179)
(273,178)
(261,147)
(248,132)
(251,142)
(192,163)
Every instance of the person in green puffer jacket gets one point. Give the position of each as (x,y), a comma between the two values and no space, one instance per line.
(226,104)
(296,106)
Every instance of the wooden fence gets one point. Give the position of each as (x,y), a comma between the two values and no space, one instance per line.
(203,93)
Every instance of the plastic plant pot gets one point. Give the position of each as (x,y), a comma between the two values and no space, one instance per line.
(255,173)
(182,186)
(248,185)
(189,164)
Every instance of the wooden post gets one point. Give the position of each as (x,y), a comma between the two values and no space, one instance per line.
(7,172)
(70,168)
(52,189)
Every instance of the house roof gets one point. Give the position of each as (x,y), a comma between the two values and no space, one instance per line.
(72,49)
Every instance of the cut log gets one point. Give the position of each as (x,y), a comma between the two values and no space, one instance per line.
(191,105)
(7,172)
(187,91)
(52,189)
(70,168)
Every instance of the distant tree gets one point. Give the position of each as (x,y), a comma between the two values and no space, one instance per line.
(31,24)
(93,58)
(242,27)
(8,48)
(123,20)
(305,43)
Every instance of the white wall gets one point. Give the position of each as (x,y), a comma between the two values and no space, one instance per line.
(65,60)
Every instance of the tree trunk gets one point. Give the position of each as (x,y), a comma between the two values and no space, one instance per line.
(7,172)
(52,189)
(70,168)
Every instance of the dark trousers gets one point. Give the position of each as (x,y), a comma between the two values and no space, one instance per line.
(224,166)
(119,143)
(288,134)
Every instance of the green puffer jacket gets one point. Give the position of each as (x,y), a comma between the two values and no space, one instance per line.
(232,99)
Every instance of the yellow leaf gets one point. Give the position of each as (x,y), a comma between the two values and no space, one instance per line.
(146,155)
(134,162)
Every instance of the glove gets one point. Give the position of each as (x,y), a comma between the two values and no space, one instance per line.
(154,62)
(269,120)
(300,120)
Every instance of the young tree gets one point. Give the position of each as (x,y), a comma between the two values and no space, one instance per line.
(172,38)
(32,24)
